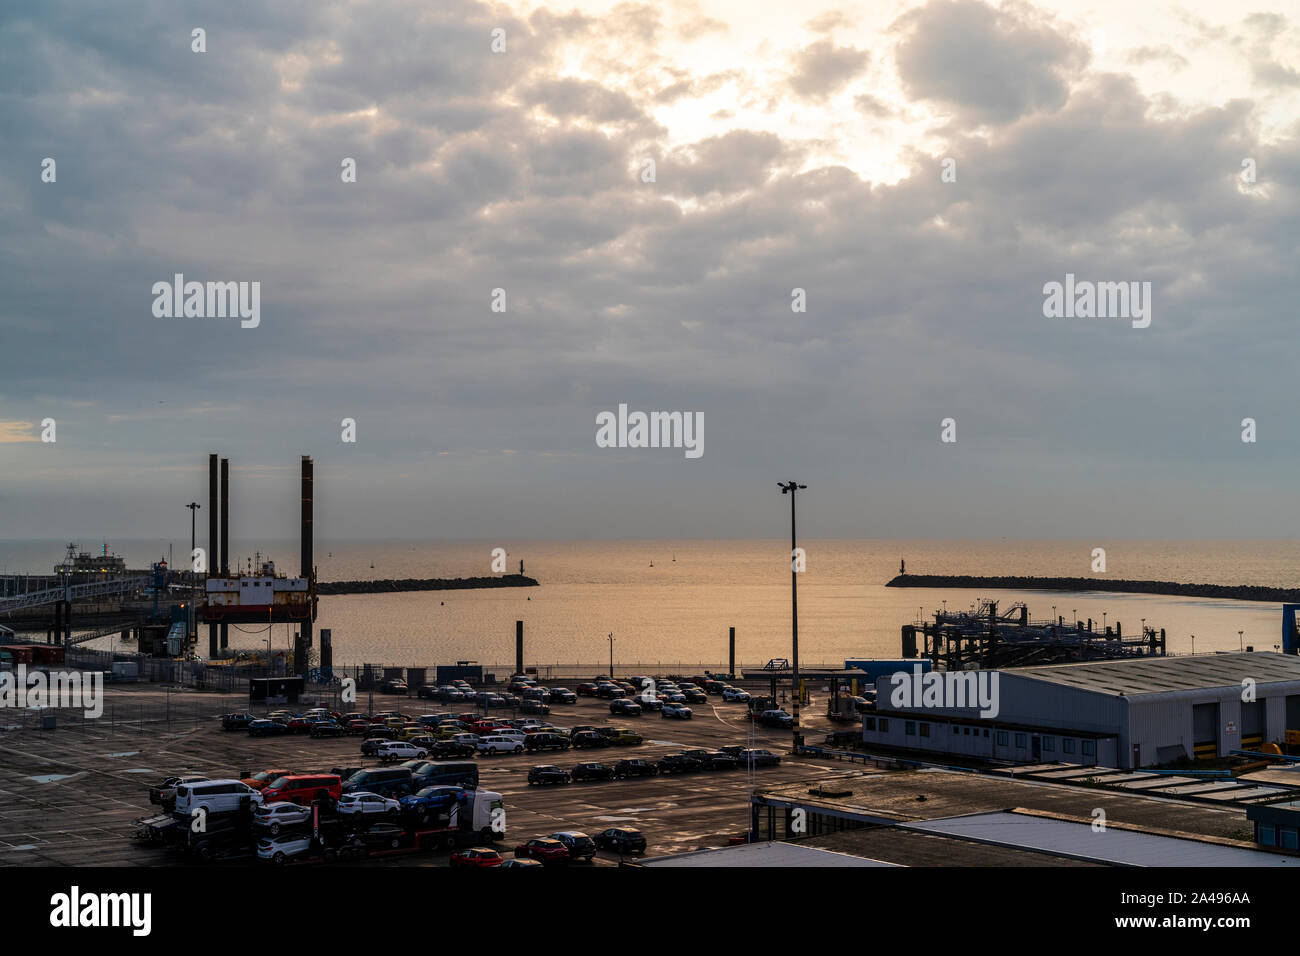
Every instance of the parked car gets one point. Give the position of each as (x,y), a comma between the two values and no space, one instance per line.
(393,750)
(712,759)
(562,695)
(591,771)
(544,740)
(367,804)
(548,773)
(546,850)
(282,848)
(277,816)
(431,801)
(735,695)
(165,793)
(610,691)
(478,857)
(326,728)
(395,687)
(534,707)
(303,788)
(621,840)
(381,836)
(677,763)
(760,758)
(370,746)
(696,697)
(586,689)
(680,711)
(518,864)
(579,845)
(625,738)
(356,728)
(266,728)
(387,781)
(259,780)
(214,796)
(497,744)
(442,749)
(776,718)
(588,738)
(635,768)
(625,707)
(237,721)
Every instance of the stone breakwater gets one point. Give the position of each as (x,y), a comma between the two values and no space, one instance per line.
(389,585)
(1232,592)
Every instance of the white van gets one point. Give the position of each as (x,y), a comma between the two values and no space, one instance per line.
(215,796)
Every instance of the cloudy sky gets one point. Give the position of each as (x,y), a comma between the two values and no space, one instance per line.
(793,147)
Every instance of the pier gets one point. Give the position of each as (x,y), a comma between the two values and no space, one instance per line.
(1231,592)
(983,638)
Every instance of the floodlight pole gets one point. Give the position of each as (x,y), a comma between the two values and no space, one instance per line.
(791,488)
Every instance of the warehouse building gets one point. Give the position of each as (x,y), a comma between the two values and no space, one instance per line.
(1127,714)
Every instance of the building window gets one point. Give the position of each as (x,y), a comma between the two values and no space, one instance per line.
(986,731)
(869,723)
(884,725)
(1020,741)
(1049,744)
(925,730)
(1090,748)
(966,731)
(1267,834)
(956,729)
(1002,738)
(1289,839)
(909,728)
(1067,744)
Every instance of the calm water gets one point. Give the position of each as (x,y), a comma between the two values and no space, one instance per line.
(679,611)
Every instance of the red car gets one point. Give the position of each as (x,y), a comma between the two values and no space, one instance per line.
(544,849)
(358,727)
(483,727)
(586,690)
(299,725)
(478,856)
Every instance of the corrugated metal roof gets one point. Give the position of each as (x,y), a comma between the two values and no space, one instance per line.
(1080,841)
(1162,675)
(762,854)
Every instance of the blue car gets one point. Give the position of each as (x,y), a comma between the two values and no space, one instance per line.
(431,801)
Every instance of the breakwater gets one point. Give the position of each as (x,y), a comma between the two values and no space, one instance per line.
(1231,592)
(389,585)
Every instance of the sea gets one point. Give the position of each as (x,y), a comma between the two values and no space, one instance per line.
(669,604)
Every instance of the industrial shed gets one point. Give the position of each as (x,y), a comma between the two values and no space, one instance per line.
(1124,713)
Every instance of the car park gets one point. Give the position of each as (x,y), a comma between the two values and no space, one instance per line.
(548,851)
(547,773)
(679,711)
(591,771)
(476,857)
(367,804)
(266,728)
(579,845)
(621,840)
(497,744)
(276,816)
(635,768)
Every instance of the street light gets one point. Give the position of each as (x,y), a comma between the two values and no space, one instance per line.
(792,488)
(194,506)
(1241,640)
(611,656)
(1193,645)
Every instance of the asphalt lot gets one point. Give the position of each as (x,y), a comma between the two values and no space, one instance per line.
(69,795)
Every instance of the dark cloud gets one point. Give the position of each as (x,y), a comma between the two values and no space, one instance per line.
(822,69)
(990,65)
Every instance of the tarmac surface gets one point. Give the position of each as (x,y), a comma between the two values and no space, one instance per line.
(69,796)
